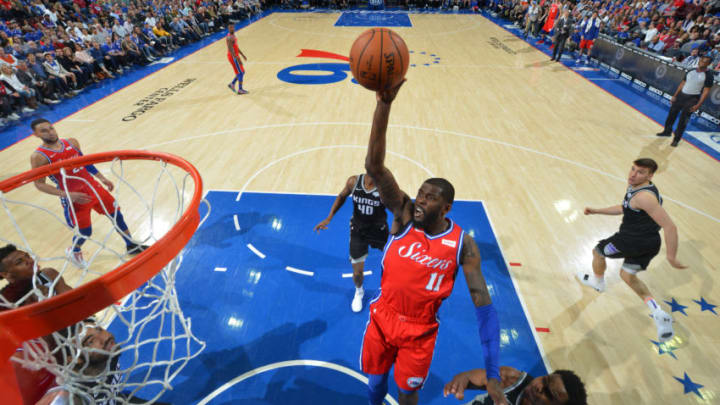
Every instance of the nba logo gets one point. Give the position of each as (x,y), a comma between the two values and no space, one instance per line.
(414,382)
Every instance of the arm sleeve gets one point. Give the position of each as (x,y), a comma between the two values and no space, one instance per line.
(489,328)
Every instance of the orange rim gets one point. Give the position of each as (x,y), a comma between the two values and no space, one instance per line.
(43,318)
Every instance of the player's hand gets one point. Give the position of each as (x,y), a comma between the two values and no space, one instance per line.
(496,393)
(676,264)
(457,385)
(80,198)
(589,211)
(673,99)
(322,225)
(387,96)
(694,108)
(108,184)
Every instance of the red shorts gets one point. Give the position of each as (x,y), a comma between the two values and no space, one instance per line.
(236,64)
(391,339)
(586,43)
(105,205)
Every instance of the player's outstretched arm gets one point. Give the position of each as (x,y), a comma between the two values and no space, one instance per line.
(339,201)
(614,210)
(390,194)
(476,379)
(488,324)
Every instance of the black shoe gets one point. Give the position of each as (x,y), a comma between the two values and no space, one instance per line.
(675,143)
(663,134)
(136,249)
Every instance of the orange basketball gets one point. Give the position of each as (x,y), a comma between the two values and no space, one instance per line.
(379,59)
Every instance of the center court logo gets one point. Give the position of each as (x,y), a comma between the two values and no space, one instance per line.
(327,73)
(414,382)
(619,53)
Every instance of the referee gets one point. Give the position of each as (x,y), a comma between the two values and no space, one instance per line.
(689,96)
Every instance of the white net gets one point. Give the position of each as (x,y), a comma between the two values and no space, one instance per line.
(131,351)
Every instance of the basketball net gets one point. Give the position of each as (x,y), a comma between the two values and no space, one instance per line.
(153,341)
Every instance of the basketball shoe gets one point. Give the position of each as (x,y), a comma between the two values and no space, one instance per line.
(75,258)
(663,322)
(590,279)
(357,300)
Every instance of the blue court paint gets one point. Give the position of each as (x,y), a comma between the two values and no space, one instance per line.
(676,306)
(256,313)
(359,18)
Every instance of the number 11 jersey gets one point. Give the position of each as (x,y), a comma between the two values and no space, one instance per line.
(419,270)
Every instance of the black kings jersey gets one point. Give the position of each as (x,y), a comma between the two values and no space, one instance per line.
(637,222)
(367,208)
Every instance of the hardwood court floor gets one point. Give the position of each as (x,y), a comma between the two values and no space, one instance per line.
(536,142)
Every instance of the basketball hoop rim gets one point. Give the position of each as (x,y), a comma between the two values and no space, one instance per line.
(43,318)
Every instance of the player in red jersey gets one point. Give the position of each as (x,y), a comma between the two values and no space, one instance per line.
(233,55)
(79,192)
(419,266)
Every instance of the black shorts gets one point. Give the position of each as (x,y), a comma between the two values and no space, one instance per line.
(637,251)
(362,236)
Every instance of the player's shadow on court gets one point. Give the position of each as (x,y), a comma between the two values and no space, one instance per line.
(660,150)
(218,230)
(215,367)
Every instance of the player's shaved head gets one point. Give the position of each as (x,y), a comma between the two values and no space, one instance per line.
(447,190)
(37,122)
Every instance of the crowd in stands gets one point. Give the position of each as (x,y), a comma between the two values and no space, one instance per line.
(52,50)
(677,30)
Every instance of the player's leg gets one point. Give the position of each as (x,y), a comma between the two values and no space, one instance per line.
(358,254)
(630,269)
(106,205)
(413,360)
(604,249)
(376,358)
(235,69)
(239,77)
(77,214)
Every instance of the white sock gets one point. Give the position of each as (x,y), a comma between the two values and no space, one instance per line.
(359,290)
(650,301)
(599,279)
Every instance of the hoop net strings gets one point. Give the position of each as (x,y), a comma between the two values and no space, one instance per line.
(153,340)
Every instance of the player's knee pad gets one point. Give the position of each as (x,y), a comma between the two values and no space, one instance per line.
(377,388)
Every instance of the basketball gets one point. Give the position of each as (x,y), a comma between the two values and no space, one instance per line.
(379,59)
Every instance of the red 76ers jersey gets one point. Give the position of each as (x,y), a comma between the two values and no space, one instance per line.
(419,270)
(68,152)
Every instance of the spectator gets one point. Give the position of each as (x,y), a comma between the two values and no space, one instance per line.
(55,69)
(23,96)
(563,29)
(42,89)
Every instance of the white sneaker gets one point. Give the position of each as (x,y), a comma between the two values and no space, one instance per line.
(14,117)
(663,322)
(75,258)
(357,300)
(27,109)
(591,280)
